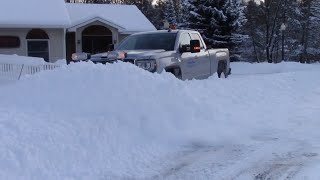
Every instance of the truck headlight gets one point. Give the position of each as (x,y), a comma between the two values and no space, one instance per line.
(147,64)
(117,55)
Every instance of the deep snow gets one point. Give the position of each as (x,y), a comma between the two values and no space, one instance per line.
(12,67)
(15,59)
(87,121)
(19,60)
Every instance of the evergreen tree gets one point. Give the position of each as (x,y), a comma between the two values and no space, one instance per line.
(201,14)
(183,14)
(219,21)
(232,28)
(170,14)
(159,14)
(253,47)
(291,17)
(311,50)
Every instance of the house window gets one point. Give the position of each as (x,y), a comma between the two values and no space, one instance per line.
(38,44)
(9,42)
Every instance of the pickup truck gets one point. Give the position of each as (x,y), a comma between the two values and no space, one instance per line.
(180,52)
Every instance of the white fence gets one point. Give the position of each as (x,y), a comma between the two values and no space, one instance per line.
(16,71)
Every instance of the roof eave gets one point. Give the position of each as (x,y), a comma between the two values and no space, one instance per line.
(135,31)
(33,26)
(82,23)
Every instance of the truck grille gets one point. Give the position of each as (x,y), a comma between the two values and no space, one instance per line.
(129,61)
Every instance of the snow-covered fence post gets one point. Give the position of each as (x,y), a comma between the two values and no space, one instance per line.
(21,71)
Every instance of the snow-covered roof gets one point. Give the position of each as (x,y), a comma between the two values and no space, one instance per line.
(33,13)
(58,14)
(126,18)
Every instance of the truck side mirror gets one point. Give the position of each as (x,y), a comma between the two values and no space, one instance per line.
(184,48)
(195,46)
(110,47)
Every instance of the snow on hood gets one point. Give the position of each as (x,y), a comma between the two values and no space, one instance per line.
(130,54)
(86,121)
(142,53)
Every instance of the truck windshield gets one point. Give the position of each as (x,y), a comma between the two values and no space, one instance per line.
(153,41)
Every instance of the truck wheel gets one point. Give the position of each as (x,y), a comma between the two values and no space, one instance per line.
(176,72)
(222,70)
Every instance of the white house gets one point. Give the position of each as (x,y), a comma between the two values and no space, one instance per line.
(53,29)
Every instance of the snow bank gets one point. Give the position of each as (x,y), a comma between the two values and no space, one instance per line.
(311,172)
(240,68)
(60,62)
(116,121)
(15,59)
(13,66)
(33,61)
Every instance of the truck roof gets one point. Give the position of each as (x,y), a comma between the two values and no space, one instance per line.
(164,31)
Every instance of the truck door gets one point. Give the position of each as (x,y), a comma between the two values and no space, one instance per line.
(188,62)
(202,58)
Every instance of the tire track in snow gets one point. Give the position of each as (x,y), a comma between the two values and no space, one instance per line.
(200,158)
(284,168)
(183,160)
(266,160)
(281,164)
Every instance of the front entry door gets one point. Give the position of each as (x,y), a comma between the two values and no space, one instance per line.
(96,44)
(96,39)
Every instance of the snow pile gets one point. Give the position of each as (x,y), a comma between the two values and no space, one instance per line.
(311,172)
(116,121)
(15,59)
(240,68)
(60,62)
(13,66)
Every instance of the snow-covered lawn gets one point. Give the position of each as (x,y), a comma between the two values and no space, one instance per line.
(5,81)
(87,121)
(12,67)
